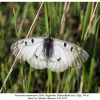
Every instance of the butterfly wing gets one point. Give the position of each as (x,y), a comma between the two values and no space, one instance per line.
(66,55)
(30,50)
(70,54)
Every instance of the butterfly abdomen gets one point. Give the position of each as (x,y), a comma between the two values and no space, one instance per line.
(48,48)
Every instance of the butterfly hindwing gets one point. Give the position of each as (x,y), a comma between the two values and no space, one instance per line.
(38,61)
(56,63)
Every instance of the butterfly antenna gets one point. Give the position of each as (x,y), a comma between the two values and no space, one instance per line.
(45,31)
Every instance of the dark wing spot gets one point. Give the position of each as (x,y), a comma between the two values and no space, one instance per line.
(65,44)
(36,56)
(25,43)
(32,40)
(43,59)
(59,59)
(71,48)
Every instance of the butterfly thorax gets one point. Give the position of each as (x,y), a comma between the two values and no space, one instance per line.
(48,49)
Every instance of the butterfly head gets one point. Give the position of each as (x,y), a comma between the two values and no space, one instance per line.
(50,36)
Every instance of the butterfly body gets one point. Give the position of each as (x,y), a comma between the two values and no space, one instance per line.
(47,52)
(48,48)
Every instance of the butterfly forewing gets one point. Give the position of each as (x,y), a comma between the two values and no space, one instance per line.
(25,48)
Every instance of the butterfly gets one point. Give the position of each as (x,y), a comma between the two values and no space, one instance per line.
(47,52)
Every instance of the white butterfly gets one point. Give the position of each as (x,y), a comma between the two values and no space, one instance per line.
(47,52)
